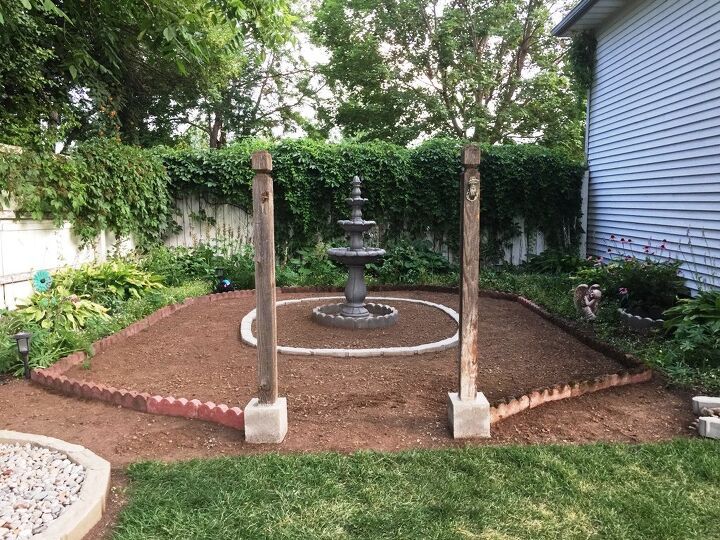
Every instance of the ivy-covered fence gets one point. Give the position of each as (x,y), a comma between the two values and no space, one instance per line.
(413,192)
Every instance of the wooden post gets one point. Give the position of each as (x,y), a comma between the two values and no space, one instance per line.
(470,265)
(264,242)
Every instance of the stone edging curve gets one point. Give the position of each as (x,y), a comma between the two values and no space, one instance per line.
(53,376)
(436,346)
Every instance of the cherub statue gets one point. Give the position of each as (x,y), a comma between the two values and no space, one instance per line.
(587,300)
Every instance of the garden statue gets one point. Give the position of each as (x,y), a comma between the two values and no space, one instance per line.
(587,300)
(354,312)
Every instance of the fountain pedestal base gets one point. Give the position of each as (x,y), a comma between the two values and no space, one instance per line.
(377,316)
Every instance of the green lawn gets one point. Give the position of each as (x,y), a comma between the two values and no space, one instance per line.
(653,491)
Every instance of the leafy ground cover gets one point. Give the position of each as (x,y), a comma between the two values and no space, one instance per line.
(595,491)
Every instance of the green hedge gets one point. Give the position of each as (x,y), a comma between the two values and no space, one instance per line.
(413,192)
(100,185)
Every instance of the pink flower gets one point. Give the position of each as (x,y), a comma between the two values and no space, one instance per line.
(622,290)
(622,240)
(612,237)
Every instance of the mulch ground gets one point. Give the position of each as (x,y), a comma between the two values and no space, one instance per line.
(342,404)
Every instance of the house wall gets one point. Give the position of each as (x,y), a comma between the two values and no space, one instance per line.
(654,135)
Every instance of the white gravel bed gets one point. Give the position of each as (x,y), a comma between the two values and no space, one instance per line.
(36,485)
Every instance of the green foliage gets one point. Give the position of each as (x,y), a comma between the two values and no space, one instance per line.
(311,266)
(490,71)
(130,67)
(582,59)
(57,310)
(202,263)
(695,327)
(553,292)
(554,261)
(539,492)
(50,344)
(109,283)
(412,191)
(101,185)
(413,262)
(652,286)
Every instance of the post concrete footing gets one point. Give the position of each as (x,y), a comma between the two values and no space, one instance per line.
(705,402)
(469,418)
(266,423)
(709,426)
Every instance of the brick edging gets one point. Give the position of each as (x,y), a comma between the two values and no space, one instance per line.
(53,377)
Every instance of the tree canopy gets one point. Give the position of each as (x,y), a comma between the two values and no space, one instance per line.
(124,66)
(488,70)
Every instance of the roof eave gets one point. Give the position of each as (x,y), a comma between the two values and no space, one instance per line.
(564,27)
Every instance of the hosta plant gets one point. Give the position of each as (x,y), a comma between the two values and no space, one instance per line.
(108,283)
(57,309)
(695,327)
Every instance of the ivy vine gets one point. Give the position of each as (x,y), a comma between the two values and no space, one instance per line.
(413,192)
(582,58)
(100,185)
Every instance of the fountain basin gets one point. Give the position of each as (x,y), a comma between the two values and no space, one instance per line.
(380,316)
(355,257)
(351,226)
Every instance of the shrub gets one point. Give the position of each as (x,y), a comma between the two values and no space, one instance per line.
(412,262)
(646,287)
(310,266)
(695,326)
(57,309)
(555,261)
(108,283)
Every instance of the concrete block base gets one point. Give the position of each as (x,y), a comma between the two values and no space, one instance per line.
(470,418)
(704,402)
(266,423)
(709,426)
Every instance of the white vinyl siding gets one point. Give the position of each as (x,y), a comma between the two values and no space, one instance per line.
(654,134)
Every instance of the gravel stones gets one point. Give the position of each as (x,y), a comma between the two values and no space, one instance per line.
(36,485)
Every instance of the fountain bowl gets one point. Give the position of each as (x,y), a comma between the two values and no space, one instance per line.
(381,316)
(355,257)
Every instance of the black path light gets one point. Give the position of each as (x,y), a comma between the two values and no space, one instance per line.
(23,345)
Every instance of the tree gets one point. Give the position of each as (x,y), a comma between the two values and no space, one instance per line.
(125,64)
(487,70)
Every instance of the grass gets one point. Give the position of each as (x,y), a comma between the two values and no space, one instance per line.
(652,491)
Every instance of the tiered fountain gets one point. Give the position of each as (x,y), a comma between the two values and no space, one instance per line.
(354,312)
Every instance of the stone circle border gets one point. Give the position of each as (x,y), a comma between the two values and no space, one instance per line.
(82,515)
(435,346)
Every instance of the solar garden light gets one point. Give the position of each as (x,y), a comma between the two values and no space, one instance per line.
(23,345)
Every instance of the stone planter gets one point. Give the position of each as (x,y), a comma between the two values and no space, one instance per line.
(641,325)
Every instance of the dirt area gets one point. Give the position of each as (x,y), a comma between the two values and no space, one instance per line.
(417,324)
(341,404)
(196,353)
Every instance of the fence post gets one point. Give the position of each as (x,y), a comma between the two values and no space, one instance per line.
(468,409)
(266,415)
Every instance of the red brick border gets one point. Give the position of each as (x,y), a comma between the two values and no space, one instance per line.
(54,378)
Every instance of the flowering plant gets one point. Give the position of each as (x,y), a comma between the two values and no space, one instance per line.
(41,281)
(645,286)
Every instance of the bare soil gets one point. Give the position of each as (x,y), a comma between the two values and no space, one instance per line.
(417,324)
(341,404)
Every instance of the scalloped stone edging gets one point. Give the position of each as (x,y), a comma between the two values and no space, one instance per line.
(53,377)
(78,518)
(636,323)
(436,346)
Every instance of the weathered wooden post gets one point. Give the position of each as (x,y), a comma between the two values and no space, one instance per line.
(468,409)
(266,415)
